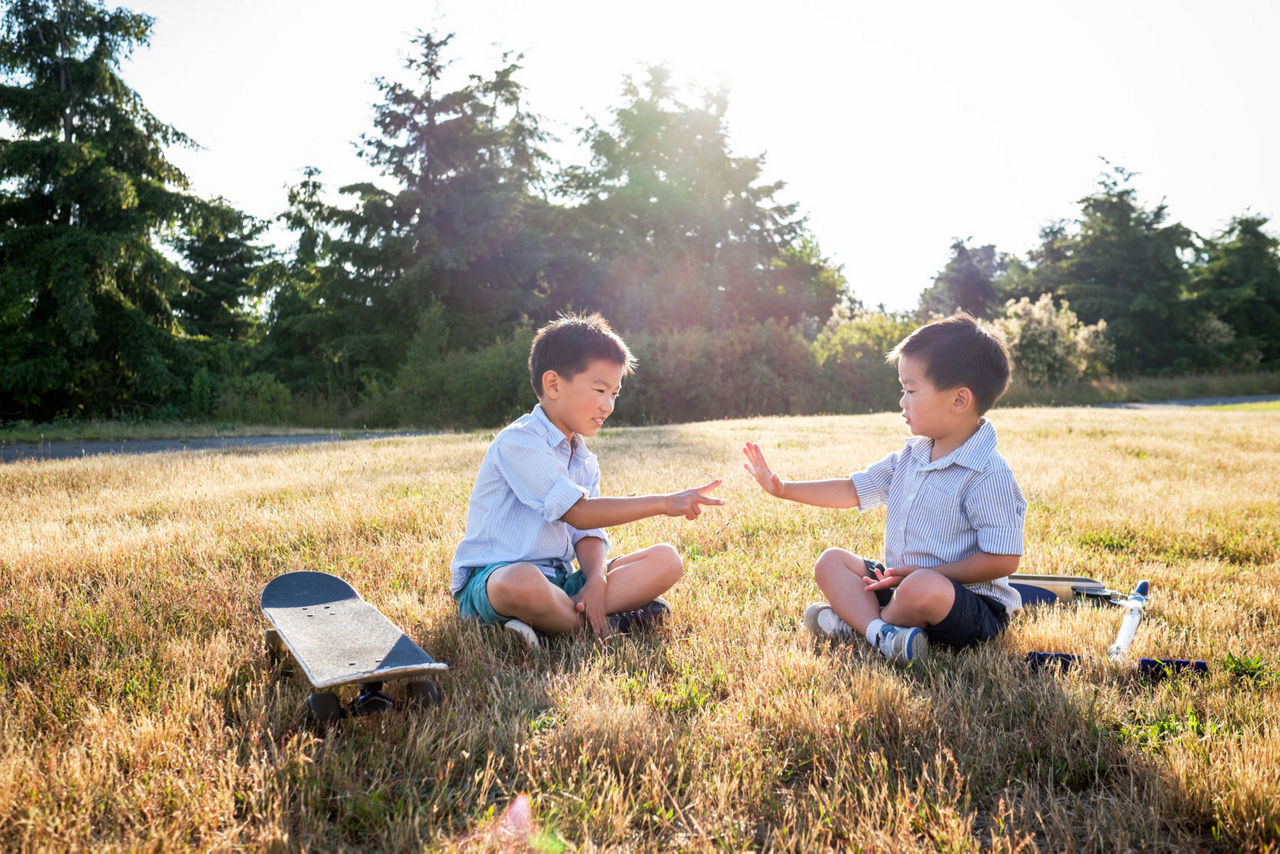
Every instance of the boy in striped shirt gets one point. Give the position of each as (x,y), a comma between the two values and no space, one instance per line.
(953,530)
(536,505)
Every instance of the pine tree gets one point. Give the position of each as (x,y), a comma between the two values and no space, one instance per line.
(86,324)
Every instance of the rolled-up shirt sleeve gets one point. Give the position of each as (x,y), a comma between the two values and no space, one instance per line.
(873,482)
(997,511)
(528,465)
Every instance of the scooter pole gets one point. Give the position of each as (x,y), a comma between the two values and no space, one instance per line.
(1150,668)
(1133,607)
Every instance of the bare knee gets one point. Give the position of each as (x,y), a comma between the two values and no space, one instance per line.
(667,562)
(518,588)
(837,563)
(925,590)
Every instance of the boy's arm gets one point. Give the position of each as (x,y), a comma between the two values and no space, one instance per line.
(604,512)
(979,566)
(837,492)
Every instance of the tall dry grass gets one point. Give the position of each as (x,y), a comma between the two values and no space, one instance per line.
(138,711)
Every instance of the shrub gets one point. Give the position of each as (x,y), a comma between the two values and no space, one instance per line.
(850,354)
(258,398)
(482,388)
(699,374)
(1049,345)
(203,393)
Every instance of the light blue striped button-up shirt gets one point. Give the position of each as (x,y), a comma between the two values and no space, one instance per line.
(946,510)
(530,477)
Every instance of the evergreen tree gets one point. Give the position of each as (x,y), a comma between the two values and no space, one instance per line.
(458,231)
(225,269)
(682,233)
(969,282)
(86,324)
(1124,264)
(1237,284)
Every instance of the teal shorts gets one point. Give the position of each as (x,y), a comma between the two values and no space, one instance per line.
(473,598)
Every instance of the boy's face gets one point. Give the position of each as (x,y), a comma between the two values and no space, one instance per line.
(928,410)
(581,404)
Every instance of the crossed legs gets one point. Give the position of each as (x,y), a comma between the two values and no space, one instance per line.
(922,599)
(520,590)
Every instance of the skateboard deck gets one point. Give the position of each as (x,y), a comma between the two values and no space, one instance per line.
(1046,589)
(335,636)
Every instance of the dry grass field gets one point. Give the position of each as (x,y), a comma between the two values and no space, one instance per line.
(138,711)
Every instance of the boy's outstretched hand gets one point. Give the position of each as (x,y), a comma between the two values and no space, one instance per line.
(690,502)
(759,469)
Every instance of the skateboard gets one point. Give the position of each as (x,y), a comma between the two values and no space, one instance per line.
(1051,589)
(336,638)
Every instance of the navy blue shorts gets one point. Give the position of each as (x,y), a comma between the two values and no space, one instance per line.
(973,618)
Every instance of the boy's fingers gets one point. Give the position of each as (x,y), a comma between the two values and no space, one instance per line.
(712,485)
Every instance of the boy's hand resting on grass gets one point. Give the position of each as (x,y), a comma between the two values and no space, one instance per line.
(689,503)
(759,469)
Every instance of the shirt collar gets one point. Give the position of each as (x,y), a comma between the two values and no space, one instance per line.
(553,434)
(973,454)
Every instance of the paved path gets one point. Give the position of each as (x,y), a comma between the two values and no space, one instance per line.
(13,451)
(1193,401)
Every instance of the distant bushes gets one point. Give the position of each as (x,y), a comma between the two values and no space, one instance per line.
(683,375)
(699,375)
(1050,346)
(766,368)
(258,398)
(850,351)
(481,388)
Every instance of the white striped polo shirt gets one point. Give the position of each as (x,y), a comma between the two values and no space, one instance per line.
(946,510)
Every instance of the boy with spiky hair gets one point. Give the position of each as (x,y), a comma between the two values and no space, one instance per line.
(953,532)
(536,504)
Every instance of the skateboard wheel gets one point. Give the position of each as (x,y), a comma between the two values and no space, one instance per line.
(325,708)
(421,694)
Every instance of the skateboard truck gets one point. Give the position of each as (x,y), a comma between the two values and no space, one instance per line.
(325,707)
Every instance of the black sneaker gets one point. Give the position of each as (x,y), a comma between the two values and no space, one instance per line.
(646,616)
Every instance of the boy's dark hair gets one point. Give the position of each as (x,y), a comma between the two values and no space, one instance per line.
(958,352)
(569,343)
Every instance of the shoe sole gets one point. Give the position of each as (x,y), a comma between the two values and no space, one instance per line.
(811,615)
(917,647)
(811,618)
(519,631)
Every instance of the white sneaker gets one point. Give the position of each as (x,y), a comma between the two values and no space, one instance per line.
(826,623)
(902,645)
(525,632)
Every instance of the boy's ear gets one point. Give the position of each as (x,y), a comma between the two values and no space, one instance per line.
(961,400)
(551,384)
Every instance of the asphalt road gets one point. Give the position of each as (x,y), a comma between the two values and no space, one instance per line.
(14,451)
(1193,401)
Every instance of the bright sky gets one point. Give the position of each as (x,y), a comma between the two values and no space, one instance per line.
(897,127)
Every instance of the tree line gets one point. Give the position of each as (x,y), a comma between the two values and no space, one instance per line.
(408,299)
